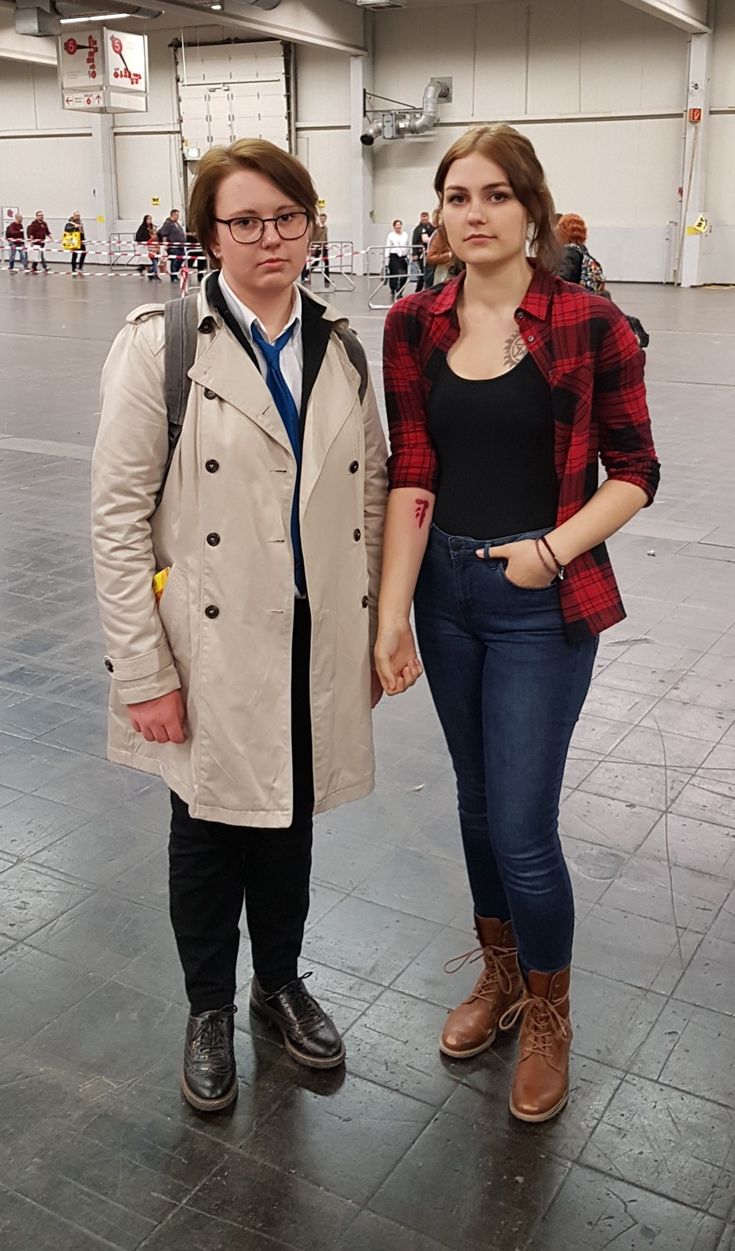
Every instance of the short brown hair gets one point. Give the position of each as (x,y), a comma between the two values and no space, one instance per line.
(257,154)
(515,154)
(571,228)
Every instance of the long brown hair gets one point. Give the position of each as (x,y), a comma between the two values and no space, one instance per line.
(515,154)
(256,154)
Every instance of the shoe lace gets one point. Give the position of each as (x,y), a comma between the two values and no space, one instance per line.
(210,1037)
(496,975)
(543,1024)
(304,1006)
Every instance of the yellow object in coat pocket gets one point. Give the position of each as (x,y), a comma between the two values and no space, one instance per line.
(159,582)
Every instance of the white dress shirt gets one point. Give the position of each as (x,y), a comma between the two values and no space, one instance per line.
(292,355)
(397,243)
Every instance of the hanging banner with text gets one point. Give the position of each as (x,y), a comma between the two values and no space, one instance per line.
(104,71)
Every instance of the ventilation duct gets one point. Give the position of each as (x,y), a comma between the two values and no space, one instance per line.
(43,17)
(418,123)
(404,122)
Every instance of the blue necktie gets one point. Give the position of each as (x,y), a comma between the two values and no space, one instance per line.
(286,406)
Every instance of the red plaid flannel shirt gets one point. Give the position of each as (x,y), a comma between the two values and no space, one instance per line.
(590,357)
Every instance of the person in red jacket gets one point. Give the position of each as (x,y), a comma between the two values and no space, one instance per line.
(16,237)
(38,233)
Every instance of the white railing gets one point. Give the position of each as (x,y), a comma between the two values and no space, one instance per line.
(330,261)
(393,277)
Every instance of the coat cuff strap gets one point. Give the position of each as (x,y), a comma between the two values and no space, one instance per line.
(133,668)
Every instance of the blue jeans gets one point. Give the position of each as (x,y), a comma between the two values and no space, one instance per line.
(18,249)
(508,687)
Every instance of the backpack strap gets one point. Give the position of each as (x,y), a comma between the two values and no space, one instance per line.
(356,353)
(180,321)
(180,330)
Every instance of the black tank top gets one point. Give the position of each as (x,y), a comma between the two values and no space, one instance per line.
(495,445)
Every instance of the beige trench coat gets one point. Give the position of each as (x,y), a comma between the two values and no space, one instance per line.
(233,476)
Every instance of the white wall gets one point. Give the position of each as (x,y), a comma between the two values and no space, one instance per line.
(597,85)
(719,246)
(323,130)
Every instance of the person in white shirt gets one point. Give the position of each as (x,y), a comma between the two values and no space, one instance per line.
(396,247)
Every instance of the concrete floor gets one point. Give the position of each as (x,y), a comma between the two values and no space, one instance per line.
(405,1151)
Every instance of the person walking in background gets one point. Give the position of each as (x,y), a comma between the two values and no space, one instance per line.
(318,251)
(74,230)
(429,268)
(577,264)
(146,235)
(38,233)
(173,235)
(196,257)
(248,686)
(321,240)
(16,237)
(440,259)
(419,243)
(396,247)
(503,389)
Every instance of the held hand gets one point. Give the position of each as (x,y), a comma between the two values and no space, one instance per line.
(376,688)
(525,567)
(160,720)
(396,661)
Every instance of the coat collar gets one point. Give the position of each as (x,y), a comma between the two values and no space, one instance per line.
(235,376)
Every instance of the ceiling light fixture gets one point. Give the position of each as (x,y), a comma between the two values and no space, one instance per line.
(95,17)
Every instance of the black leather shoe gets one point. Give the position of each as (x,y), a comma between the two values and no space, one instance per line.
(309,1035)
(209,1080)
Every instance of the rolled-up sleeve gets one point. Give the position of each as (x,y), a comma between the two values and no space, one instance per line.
(375,501)
(413,459)
(621,411)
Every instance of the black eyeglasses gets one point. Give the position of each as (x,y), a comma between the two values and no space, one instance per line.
(251,229)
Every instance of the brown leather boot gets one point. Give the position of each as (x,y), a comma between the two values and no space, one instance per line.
(471,1028)
(541,1083)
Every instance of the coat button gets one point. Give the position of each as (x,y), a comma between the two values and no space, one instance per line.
(109,665)
(209,394)
(213,539)
(365,601)
(357,535)
(207,325)
(211,611)
(354,466)
(212,466)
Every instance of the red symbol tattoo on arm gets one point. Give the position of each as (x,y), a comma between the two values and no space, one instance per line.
(422,508)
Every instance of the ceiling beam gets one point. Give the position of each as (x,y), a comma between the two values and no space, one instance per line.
(688,15)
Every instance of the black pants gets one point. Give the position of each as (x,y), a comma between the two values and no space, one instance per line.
(213,867)
(398,270)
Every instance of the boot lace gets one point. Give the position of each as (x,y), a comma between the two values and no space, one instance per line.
(496,976)
(210,1039)
(304,1007)
(543,1024)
